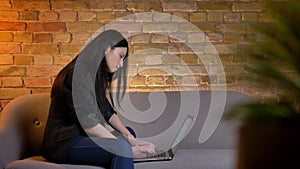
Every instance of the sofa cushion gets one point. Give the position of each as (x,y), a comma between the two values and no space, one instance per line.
(39,162)
(195,159)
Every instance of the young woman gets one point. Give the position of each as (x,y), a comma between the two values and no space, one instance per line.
(81,105)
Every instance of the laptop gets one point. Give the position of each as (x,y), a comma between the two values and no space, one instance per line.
(168,155)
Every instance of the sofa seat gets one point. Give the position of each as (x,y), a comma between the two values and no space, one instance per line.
(184,159)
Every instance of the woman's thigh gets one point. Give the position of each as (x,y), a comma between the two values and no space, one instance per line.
(99,151)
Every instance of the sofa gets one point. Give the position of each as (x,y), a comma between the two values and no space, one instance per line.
(22,123)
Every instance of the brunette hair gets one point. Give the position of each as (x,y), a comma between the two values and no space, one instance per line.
(93,56)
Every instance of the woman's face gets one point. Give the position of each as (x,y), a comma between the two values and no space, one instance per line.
(114,58)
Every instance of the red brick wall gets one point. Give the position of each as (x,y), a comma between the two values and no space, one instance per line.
(37,38)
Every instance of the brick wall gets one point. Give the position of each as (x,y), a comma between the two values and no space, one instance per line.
(37,38)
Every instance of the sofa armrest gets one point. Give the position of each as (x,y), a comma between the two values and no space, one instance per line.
(9,146)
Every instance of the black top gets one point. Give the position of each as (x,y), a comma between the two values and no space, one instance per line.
(64,123)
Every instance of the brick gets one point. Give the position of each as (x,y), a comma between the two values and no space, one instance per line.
(248,7)
(144,6)
(62,59)
(137,81)
(37,82)
(23,37)
(201,16)
(46,27)
(157,38)
(70,4)
(154,49)
(214,6)
(125,27)
(180,49)
(106,16)
(196,37)
(61,37)
(231,27)
(6,59)
(6,71)
(249,37)
(48,16)
(86,16)
(205,27)
(178,37)
(83,26)
(11,93)
(6,37)
(160,17)
(67,16)
(12,82)
(9,48)
(155,81)
(196,27)
(215,17)
(153,60)
(170,81)
(154,70)
(189,70)
(191,80)
(214,37)
(160,27)
(233,69)
(23,60)
(124,16)
(232,17)
(232,37)
(40,90)
(143,17)
(225,49)
(29,15)
(249,17)
(189,58)
(108,6)
(31,4)
(180,16)
(80,37)
(40,49)
(179,6)
(140,38)
(70,49)
(9,15)
(12,26)
(43,59)
(43,38)
(132,70)
(171,59)
(5,4)
(42,71)
(135,59)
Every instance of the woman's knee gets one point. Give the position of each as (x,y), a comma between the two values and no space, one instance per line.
(123,148)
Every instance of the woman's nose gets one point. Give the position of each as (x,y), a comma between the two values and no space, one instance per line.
(121,63)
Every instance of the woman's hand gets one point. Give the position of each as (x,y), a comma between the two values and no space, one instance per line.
(141,145)
(142,151)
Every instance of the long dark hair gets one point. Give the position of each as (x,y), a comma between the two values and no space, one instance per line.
(92,59)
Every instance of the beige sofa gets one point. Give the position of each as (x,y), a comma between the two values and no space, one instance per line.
(22,124)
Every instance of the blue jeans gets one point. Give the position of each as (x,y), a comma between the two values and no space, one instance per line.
(105,152)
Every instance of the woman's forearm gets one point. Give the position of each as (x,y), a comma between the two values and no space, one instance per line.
(99,131)
(118,125)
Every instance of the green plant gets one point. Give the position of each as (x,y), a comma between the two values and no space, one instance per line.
(280,45)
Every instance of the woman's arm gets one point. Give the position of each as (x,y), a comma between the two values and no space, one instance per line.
(139,146)
(99,131)
(118,125)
